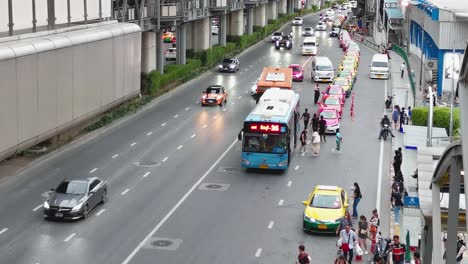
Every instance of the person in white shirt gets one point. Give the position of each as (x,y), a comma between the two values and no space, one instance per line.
(348,239)
(402,69)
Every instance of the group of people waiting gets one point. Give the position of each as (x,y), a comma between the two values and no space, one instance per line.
(318,132)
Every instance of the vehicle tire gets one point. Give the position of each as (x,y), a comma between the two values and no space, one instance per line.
(85,212)
(202,105)
(104,197)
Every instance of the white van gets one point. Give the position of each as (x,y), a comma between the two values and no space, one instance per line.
(379,67)
(309,46)
(322,69)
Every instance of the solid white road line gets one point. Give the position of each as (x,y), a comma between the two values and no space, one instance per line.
(93,170)
(100,212)
(163,124)
(289,183)
(181,146)
(133,144)
(149,133)
(186,109)
(192,136)
(258,252)
(165,159)
(37,208)
(379,177)
(115,156)
(281,202)
(270,225)
(69,237)
(225,109)
(176,116)
(3,230)
(204,126)
(177,205)
(146,174)
(124,192)
(297,167)
(307,61)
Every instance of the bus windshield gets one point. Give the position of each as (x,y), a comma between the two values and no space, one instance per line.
(265,143)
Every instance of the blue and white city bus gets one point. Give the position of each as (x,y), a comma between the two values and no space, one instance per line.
(271,130)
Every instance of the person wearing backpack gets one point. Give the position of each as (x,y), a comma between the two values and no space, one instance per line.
(303,257)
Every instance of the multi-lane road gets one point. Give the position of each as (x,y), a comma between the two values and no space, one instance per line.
(162,163)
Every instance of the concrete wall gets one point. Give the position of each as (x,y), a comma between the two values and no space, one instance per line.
(22,12)
(52,82)
(236,23)
(148,51)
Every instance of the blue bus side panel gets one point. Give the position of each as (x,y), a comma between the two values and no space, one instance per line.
(255,160)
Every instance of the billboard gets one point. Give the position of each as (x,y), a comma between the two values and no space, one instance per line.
(451,70)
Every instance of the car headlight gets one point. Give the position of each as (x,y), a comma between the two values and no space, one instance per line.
(287,42)
(283,163)
(309,219)
(46,205)
(77,207)
(232,66)
(246,162)
(220,66)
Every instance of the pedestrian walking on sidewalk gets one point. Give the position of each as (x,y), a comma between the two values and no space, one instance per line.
(322,126)
(402,69)
(306,117)
(344,221)
(363,229)
(397,200)
(303,140)
(374,223)
(315,143)
(402,118)
(348,239)
(341,260)
(410,114)
(316,93)
(303,257)
(339,139)
(395,116)
(417,257)
(357,198)
(398,250)
(315,123)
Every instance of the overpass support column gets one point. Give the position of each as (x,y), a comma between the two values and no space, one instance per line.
(237,23)
(282,7)
(222,30)
(260,15)
(201,33)
(148,51)
(250,20)
(272,13)
(181,44)
(159,52)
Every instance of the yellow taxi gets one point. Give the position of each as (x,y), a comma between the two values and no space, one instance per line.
(345,83)
(324,209)
(352,53)
(351,58)
(347,63)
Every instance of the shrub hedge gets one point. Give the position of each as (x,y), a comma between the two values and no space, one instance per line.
(441,117)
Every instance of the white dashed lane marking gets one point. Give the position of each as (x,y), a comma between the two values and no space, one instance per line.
(232,103)
(192,136)
(281,202)
(165,159)
(204,126)
(3,230)
(100,212)
(146,174)
(149,133)
(176,116)
(270,225)
(186,109)
(37,208)
(181,146)
(93,170)
(163,124)
(69,237)
(224,110)
(289,183)
(297,167)
(115,156)
(258,252)
(133,144)
(125,192)
(239,97)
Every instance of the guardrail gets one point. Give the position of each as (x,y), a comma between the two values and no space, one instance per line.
(400,51)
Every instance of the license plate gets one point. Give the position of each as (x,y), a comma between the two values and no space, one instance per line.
(263,166)
(322,227)
(58,215)
(210,100)
(379,75)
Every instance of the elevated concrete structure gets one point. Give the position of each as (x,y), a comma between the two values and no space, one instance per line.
(236,23)
(282,7)
(198,34)
(260,16)
(250,20)
(272,10)
(148,51)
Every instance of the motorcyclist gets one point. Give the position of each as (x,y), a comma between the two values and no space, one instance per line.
(385,121)
(321,16)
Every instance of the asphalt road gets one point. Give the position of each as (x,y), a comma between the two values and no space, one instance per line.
(158,213)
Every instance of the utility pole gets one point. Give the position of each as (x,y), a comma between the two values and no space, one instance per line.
(429,118)
(422,52)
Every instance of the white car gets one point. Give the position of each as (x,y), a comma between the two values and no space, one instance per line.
(330,12)
(308,31)
(170,54)
(328,17)
(321,26)
(297,21)
(214,30)
(276,36)
(253,89)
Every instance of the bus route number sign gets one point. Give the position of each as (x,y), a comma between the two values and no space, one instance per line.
(266,127)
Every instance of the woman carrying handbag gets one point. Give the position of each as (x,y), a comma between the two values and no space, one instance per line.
(362,233)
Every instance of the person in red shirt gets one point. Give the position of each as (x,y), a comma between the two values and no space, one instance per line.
(417,257)
(303,257)
(398,250)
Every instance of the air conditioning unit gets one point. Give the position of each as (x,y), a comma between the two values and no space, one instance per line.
(431,64)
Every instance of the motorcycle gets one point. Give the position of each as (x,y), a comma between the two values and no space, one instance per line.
(382,249)
(385,132)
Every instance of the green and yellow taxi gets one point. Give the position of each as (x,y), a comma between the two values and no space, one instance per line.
(324,209)
(353,53)
(346,74)
(344,64)
(345,83)
(352,59)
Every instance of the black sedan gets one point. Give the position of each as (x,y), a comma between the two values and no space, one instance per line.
(229,65)
(74,199)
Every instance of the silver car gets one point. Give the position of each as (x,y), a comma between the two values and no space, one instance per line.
(308,31)
(74,199)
